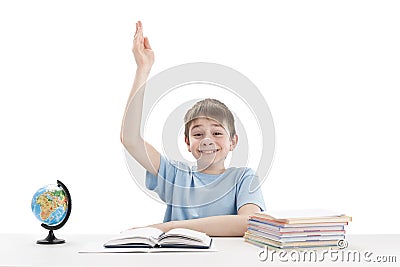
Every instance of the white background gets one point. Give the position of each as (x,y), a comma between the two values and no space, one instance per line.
(329,71)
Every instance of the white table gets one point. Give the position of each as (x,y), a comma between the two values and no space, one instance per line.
(21,250)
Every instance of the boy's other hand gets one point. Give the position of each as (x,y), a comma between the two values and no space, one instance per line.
(144,55)
(165,227)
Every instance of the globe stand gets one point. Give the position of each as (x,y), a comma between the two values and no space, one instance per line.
(50,239)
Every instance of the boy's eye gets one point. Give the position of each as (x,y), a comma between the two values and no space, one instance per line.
(218,133)
(197,134)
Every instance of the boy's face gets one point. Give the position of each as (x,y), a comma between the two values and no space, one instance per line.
(209,142)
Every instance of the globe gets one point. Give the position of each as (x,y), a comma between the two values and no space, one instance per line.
(51,205)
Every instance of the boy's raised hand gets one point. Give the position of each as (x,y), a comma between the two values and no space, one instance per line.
(144,153)
(144,55)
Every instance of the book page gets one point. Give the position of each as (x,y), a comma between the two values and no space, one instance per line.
(185,237)
(146,236)
(141,232)
(186,233)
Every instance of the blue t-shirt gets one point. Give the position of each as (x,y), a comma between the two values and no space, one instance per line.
(190,194)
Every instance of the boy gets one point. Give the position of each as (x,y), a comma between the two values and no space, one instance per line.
(208,197)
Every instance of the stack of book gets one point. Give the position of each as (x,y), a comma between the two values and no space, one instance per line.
(296,229)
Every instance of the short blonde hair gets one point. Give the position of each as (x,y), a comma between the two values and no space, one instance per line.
(213,109)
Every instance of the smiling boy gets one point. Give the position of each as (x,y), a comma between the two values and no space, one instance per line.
(207,197)
(210,134)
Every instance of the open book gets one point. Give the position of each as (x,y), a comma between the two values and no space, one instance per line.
(149,237)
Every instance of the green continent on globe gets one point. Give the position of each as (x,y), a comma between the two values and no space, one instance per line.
(49,201)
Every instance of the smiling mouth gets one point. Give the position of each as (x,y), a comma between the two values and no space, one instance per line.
(211,151)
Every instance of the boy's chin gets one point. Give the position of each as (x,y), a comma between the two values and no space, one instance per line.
(209,158)
(206,159)
(205,163)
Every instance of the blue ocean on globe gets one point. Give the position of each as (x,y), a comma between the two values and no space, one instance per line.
(50,204)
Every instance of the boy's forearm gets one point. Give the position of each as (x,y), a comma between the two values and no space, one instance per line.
(224,225)
(130,130)
(141,76)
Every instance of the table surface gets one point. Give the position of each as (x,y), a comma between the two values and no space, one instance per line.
(22,250)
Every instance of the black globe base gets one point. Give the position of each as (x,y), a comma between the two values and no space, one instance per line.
(51,239)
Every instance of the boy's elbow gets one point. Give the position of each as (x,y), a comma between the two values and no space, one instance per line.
(121,138)
(124,141)
(132,145)
(129,140)
(128,144)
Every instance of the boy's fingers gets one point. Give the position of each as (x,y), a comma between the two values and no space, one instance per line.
(146,43)
(136,30)
(141,34)
(138,40)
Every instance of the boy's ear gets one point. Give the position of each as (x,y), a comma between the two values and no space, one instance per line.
(187,143)
(234,142)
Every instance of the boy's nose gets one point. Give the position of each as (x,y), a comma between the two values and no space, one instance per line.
(207,142)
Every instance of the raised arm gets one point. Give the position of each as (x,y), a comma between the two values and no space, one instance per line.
(143,152)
